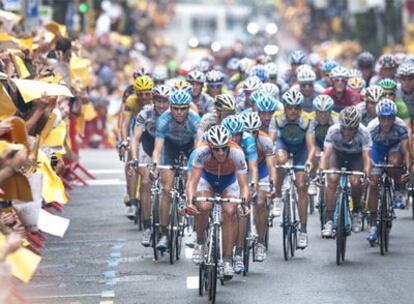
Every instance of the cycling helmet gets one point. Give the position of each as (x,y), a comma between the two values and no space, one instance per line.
(314,59)
(159,74)
(271,89)
(374,93)
(143,83)
(234,124)
(339,72)
(233,63)
(323,103)
(297,57)
(350,117)
(400,58)
(365,60)
(356,83)
(387,61)
(306,75)
(257,95)
(180,98)
(261,72)
(162,90)
(218,136)
(196,76)
(386,107)
(406,69)
(214,76)
(225,103)
(266,104)
(263,59)
(251,121)
(293,98)
(271,70)
(328,65)
(204,66)
(183,85)
(252,83)
(388,84)
(140,72)
(244,64)
(354,73)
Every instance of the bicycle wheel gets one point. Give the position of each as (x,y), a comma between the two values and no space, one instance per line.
(340,231)
(322,208)
(155,223)
(179,235)
(173,231)
(246,249)
(138,219)
(216,258)
(293,226)
(286,227)
(311,203)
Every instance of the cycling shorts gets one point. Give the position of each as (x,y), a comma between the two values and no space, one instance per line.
(143,156)
(263,176)
(171,152)
(299,152)
(350,161)
(219,184)
(378,155)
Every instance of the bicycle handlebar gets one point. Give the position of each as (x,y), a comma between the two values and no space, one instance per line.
(388,166)
(218,199)
(291,167)
(343,172)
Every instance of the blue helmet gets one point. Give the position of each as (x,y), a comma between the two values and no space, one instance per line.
(266,104)
(261,72)
(386,107)
(234,124)
(328,65)
(297,57)
(180,98)
(257,95)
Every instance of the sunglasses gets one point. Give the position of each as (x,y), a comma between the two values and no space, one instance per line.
(145,94)
(389,93)
(339,79)
(306,84)
(219,149)
(294,108)
(180,109)
(215,86)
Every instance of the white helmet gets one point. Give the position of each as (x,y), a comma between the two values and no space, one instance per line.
(252,83)
(306,75)
(271,89)
(339,72)
(252,121)
(350,117)
(271,69)
(293,98)
(218,136)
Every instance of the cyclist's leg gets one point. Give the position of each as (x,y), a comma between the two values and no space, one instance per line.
(299,159)
(167,181)
(330,194)
(281,158)
(260,210)
(145,190)
(356,163)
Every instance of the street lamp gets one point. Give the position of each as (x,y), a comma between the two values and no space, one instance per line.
(271,28)
(252,28)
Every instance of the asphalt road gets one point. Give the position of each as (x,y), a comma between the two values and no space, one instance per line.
(100,260)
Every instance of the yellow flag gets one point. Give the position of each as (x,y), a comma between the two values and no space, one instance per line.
(28,43)
(5,37)
(7,107)
(32,89)
(48,126)
(79,71)
(21,67)
(5,15)
(23,262)
(56,28)
(52,188)
(88,112)
(56,137)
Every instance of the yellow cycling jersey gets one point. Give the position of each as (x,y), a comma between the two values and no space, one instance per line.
(312,115)
(133,105)
(290,132)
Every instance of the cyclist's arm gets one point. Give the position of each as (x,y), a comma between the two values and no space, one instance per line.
(244,186)
(405,146)
(326,156)
(199,136)
(125,121)
(272,129)
(310,143)
(156,154)
(409,130)
(270,161)
(136,139)
(194,107)
(119,125)
(366,156)
(253,170)
(192,183)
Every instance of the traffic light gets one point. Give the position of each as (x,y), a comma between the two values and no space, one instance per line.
(83,7)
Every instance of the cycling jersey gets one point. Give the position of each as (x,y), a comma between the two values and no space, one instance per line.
(128,92)
(408,98)
(146,119)
(319,130)
(383,143)
(264,146)
(349,98)
(133,105)
(289,77)
(402,109)
(366,118)
(361,140)
(291,133)
(248,146)
(204,103)
(322,83)
(208,120)
(216,175)
(179,134)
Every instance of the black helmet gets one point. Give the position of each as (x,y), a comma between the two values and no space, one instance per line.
(365,60)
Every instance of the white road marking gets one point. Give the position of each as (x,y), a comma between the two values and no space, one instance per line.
(65,296)
(105,182)
(106,171)
(188,253)
(192,282)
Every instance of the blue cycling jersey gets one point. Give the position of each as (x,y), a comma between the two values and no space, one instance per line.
(248,144)
(179,134)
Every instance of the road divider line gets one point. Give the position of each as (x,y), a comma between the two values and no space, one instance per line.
(192,282)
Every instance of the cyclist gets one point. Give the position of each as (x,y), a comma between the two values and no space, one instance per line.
(176,132)
(266,106)
(347,144)
(306,85)
(246,141)
(366,63)
(260,71)
(387,68)
(159,75)
(267,173)
(327,66)
(250,85)
(289,131)
(341,95)
(320,120)
(143,86)
(296,58)
(271,89)
(215,80)
(390,137)
(203,101)
(218,167)
(254,97)
(405,90)
(356,83)
(273,77)
(142,147)
(373,95)
(232,70)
